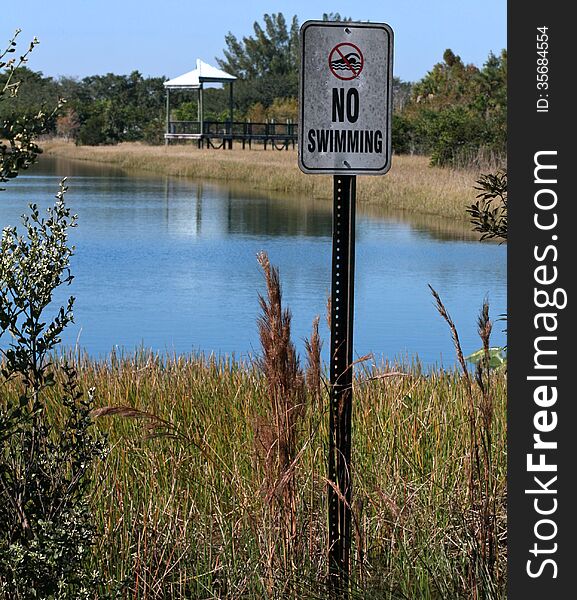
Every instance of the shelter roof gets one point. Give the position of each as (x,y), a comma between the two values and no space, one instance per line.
(204,73)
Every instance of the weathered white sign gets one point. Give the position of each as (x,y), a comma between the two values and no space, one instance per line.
(346,80)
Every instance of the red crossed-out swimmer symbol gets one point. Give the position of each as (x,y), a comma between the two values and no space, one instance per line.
(346,61)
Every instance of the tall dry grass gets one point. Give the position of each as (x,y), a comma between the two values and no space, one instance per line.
(314,371)
(485,571)
(180,503)
(277,431)
(411,185)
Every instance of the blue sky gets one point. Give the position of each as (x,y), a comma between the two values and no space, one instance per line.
(88,37)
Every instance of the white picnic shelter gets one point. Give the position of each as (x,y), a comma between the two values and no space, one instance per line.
(195,80)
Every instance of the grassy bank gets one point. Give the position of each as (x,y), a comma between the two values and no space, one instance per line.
(181,501)
(411,185)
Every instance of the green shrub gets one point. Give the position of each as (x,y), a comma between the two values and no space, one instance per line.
(46,531)
(47,444)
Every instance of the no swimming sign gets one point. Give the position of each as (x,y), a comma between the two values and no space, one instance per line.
(345,98)
(344,129)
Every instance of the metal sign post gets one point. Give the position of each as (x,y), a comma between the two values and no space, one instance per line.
(344,130)
(341,372)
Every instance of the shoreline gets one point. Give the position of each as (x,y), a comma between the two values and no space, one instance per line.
(411,185)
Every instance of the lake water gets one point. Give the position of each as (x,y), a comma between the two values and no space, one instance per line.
(170,264)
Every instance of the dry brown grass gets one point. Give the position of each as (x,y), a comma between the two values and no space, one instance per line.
(179,501)
(277,433)
(411,185)
(314,370)
(482,520)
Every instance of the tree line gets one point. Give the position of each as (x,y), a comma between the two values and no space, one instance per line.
(456,113)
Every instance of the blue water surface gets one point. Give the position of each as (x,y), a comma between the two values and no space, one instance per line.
(170,264)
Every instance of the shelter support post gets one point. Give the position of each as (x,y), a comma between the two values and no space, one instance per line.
(167,116)
(198,108)
(231,114)
(201,109)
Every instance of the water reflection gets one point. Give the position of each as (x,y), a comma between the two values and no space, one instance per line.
(301,216)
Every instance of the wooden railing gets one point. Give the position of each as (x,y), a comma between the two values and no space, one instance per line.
(244,131)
